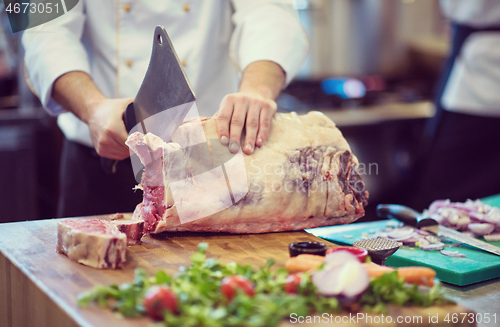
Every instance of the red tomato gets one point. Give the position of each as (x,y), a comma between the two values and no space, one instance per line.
(292,283)
(232,283)
(157,300)
(361,254)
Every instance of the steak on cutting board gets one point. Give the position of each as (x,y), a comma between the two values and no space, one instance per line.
(133,229)
(92,242)
(304,176)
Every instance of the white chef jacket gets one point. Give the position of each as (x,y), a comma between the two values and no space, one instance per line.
(474,83)
(112,41)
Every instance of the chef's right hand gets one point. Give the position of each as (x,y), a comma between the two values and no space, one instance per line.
(107,129)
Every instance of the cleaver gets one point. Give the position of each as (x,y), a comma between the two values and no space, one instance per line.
(164,98)
(415,219)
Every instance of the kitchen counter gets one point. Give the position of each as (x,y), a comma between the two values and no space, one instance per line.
(380,113)
(39,287)
(482,297)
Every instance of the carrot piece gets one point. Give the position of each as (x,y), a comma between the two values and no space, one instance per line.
(303,263)
(375,270)
(411,275)
(417,275)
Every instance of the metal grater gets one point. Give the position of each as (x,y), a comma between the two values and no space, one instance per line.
(379,249)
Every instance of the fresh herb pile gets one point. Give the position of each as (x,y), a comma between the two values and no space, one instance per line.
(200,301)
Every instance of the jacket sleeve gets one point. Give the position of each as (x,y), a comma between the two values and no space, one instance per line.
(268,30)
(53,49)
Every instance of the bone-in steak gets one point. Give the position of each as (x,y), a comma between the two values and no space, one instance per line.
(92,242)
(134,229)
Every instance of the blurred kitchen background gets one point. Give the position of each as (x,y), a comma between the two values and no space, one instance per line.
(372,68)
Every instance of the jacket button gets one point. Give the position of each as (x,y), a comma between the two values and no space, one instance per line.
(186,8)
(184,63)
(128,63)
(127,7)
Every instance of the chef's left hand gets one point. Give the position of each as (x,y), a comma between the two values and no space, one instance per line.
(252,107)
(248,110)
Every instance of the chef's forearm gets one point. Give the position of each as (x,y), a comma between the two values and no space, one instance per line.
(263,77)
(76,92)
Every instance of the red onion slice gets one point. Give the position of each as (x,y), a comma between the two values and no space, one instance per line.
(356,279)
(409,241)
(451,215)
(340,277)
(433,239)
(422,232)
(481,229)
(338,258)
(493,216)
(433,208)
(423,243)
(463,223)
(326,281)
(433,246)
(468,216)
(454,254)
(401,233)
(492,237)
(477,216)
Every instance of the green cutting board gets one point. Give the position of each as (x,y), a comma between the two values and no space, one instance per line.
(493,200)
(478,266)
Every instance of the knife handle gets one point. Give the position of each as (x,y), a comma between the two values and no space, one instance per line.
(404,214)
(395,211)
(109,165)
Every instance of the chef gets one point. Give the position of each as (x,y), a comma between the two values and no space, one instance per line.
(87,65)
(463,153)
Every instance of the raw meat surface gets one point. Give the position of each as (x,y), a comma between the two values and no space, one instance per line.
(92,242)
(133,229)
(304,176)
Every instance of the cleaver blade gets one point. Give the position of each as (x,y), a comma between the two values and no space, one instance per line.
(457,236)
(164,98)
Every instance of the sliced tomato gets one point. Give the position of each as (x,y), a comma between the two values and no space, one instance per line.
(292,283)
(231,284)
(361,254)
(157,300)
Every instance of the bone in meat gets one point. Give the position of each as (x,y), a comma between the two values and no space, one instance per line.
(304,176)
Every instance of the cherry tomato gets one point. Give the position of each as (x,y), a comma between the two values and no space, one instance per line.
(292,284)
(232,283)
(361,254)
(157,300)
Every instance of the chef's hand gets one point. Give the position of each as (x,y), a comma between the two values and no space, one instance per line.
(107,129)
(245,109)
(76,92)
(253,107)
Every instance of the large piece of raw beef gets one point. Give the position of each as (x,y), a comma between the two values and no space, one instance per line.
(92,242)
(304,176)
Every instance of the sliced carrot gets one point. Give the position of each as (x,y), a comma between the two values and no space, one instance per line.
(303,263)
(417,275)
(411,275)
(375,270)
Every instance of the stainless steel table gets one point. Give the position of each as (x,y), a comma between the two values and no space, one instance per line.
(484,298)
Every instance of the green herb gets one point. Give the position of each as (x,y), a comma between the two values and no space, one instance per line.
(201,303)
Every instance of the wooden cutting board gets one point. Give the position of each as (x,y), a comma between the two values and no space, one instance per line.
(39,287)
